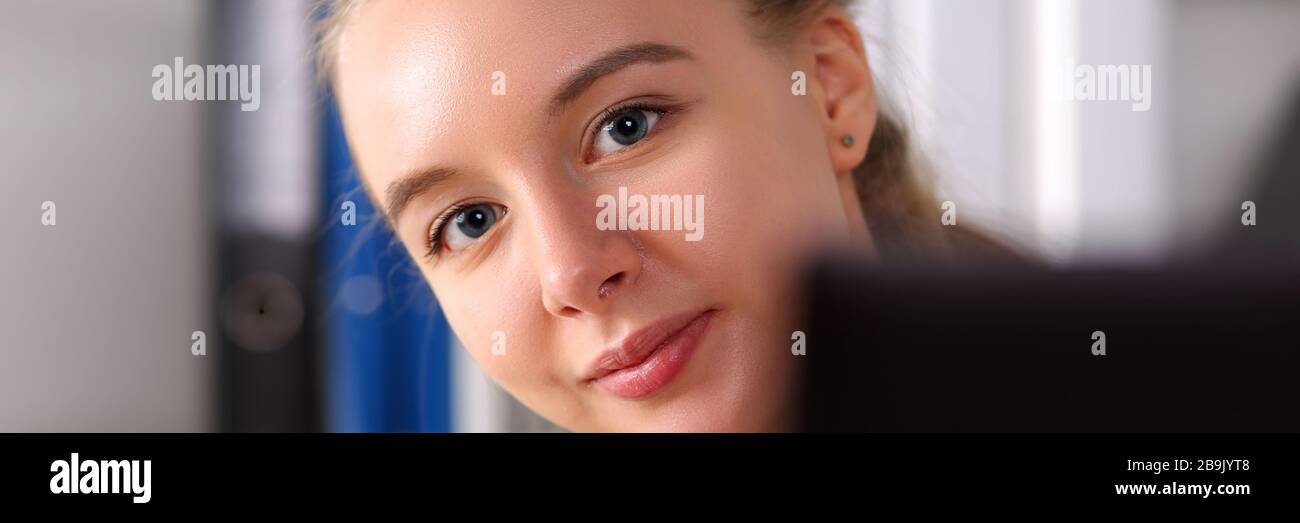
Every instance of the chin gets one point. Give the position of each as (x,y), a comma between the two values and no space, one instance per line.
(707,415)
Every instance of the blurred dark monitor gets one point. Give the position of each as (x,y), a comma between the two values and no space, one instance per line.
(1204,348)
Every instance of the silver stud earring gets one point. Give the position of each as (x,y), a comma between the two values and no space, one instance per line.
(847,140)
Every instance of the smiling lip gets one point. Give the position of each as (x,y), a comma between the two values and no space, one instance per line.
(647,360)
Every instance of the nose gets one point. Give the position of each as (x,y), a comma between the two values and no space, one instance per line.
(583,269)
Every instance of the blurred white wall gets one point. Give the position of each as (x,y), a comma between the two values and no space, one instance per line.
(96,311)
(1089,181)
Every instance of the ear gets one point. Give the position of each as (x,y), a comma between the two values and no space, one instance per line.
(842,84)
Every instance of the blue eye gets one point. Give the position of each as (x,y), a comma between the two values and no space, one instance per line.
(624,128)
(464,226)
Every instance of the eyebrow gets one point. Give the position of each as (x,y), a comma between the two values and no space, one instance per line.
(406,188)
(612,62)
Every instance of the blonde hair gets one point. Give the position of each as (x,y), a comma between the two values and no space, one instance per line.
(892,185)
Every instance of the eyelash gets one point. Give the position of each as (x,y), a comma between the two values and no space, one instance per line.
(607,116)
(434,246)
(435,231)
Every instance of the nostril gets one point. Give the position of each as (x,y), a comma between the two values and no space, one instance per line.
(608,286)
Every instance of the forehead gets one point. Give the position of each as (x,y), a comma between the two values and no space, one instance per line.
(415,78)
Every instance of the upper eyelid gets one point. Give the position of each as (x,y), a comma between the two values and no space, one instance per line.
(432,236)
(606,120)
(664,108)
(446,217)
(440,220)
(658,103)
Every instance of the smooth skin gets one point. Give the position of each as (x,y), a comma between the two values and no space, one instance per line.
(415,82)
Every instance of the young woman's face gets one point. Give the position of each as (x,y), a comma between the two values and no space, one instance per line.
(500,135)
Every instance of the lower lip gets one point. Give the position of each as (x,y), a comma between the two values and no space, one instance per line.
(658,370)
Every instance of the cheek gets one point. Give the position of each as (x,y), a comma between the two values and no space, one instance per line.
(771,198)
(770,191)
(493,321)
